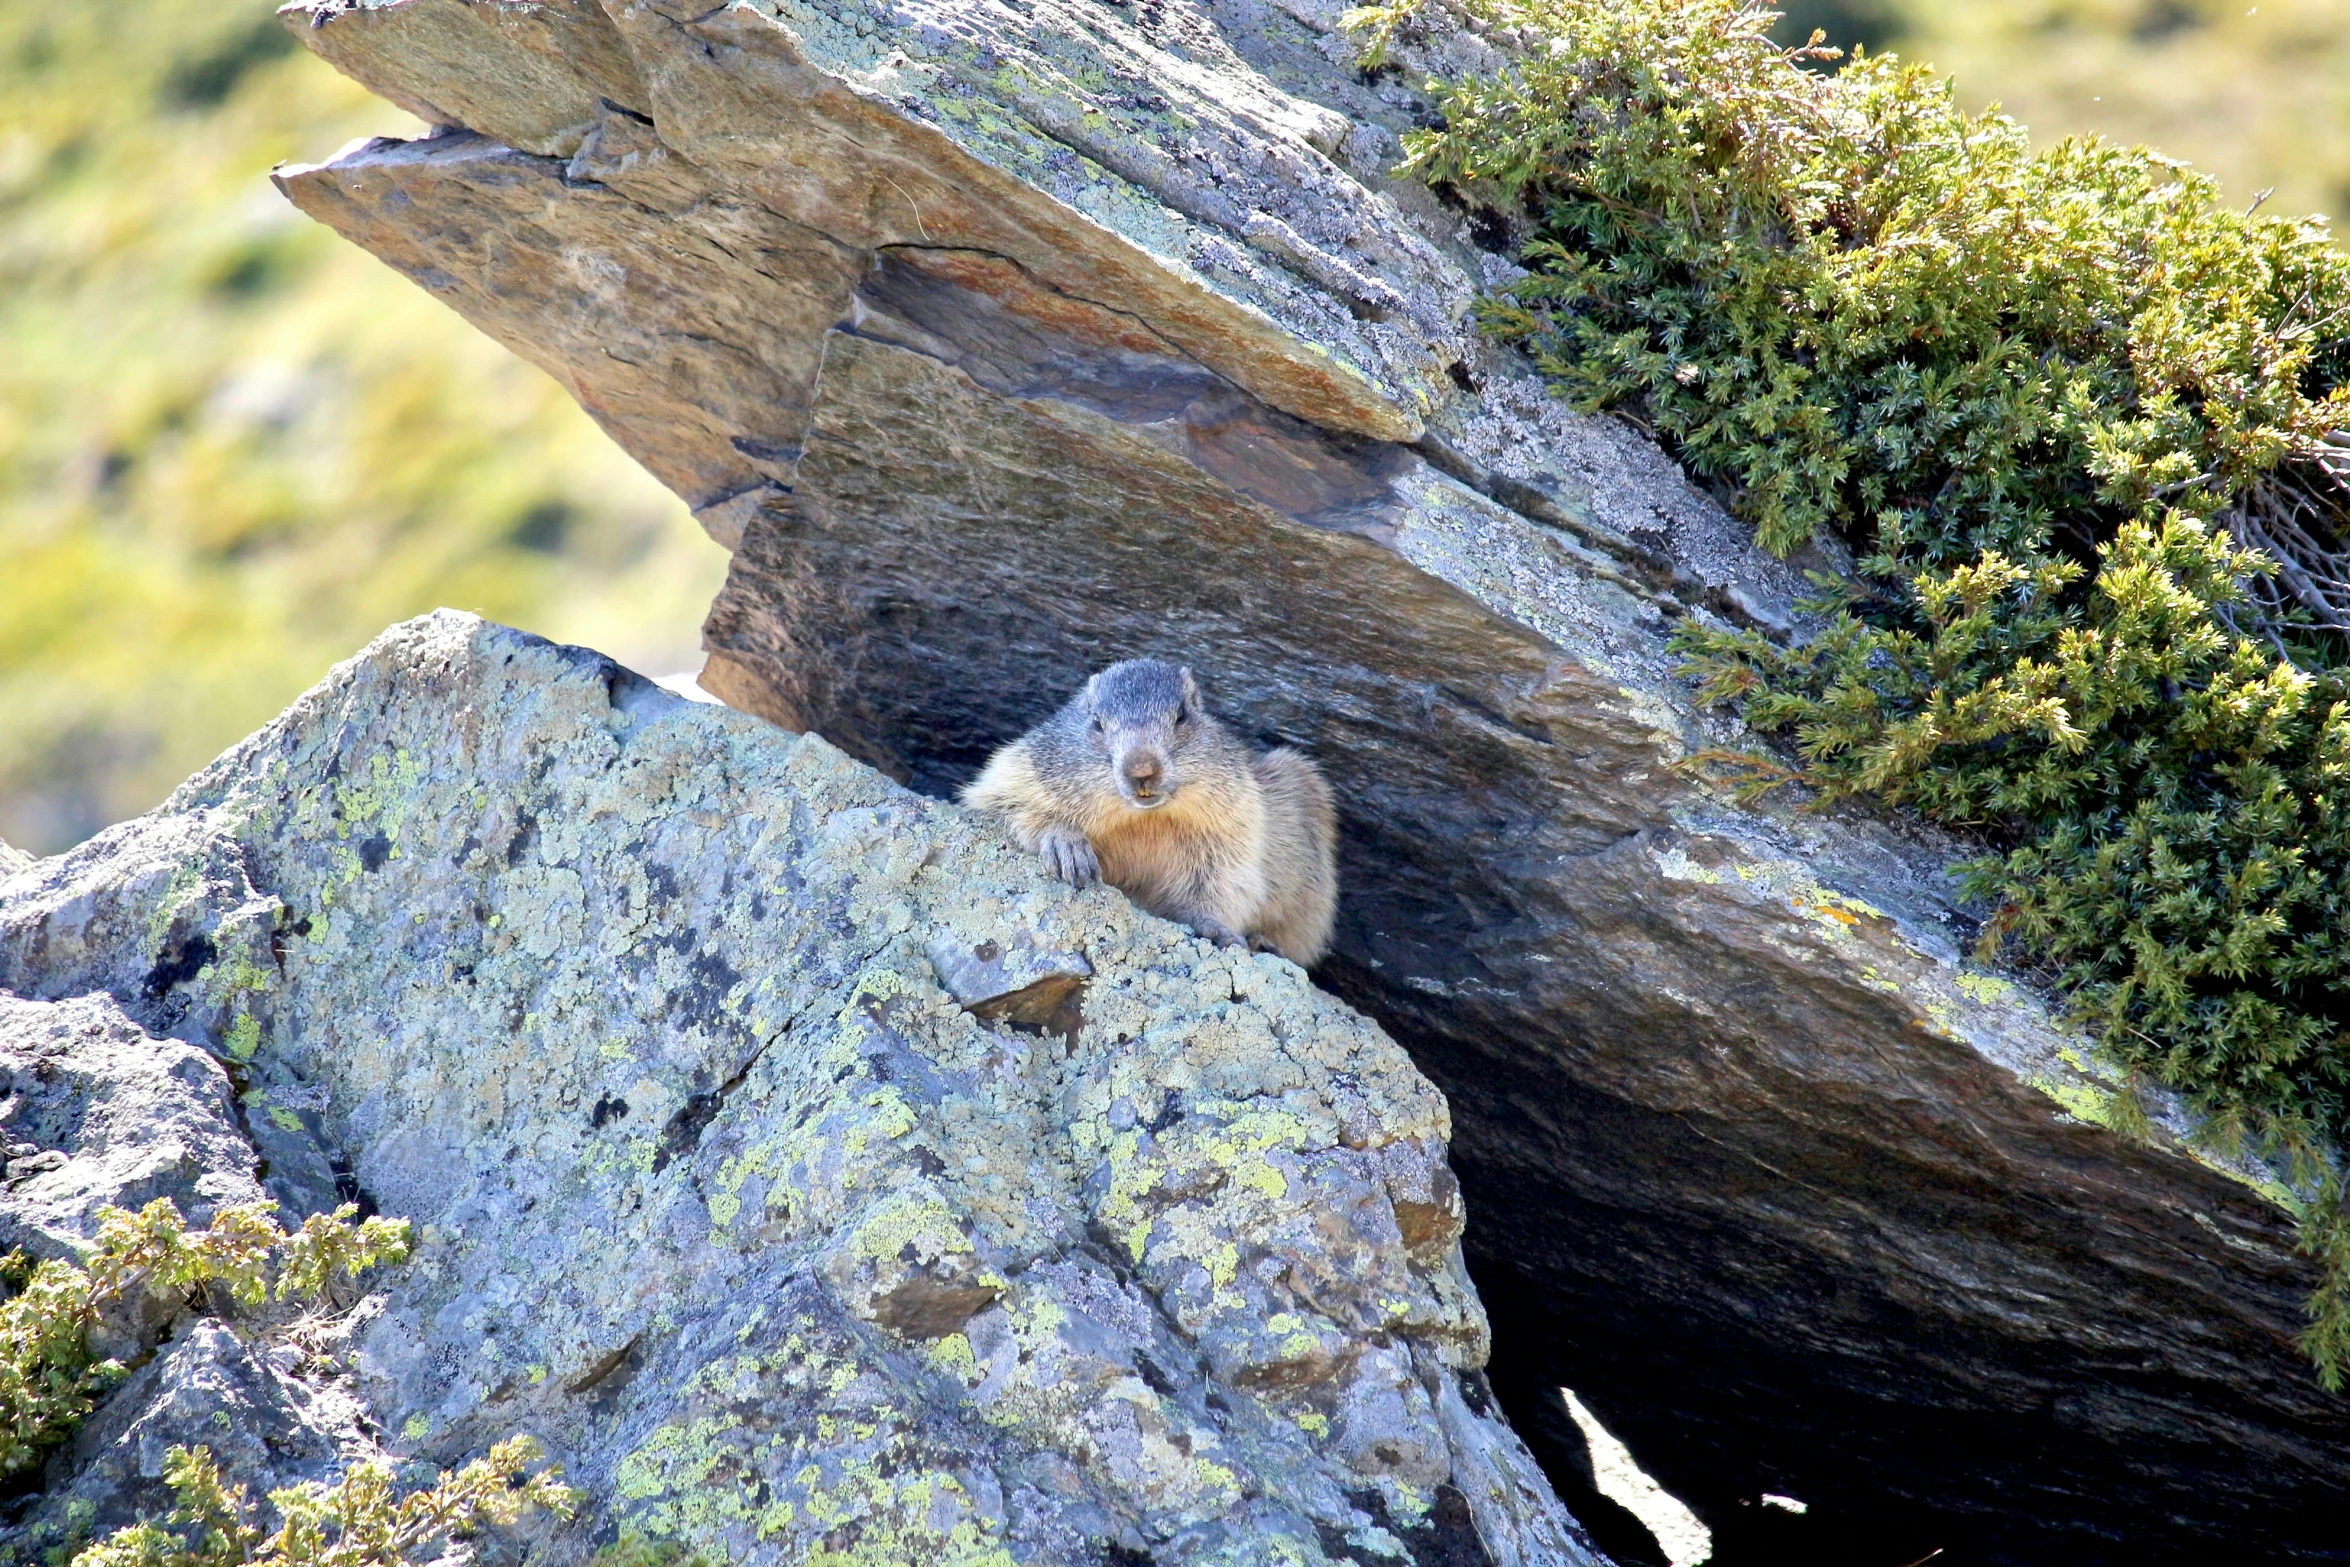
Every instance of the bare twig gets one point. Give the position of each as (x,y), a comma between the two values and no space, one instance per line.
(2298,516)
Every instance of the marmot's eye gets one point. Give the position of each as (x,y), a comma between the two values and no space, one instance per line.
(1181,716)
(1099,726)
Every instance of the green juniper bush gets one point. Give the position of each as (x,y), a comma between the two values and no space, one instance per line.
(2080,424)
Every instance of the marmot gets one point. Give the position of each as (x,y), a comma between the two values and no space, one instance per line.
(1133,783)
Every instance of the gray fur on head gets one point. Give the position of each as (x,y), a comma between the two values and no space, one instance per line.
(1143,721)
(1248,851)
(1139,690)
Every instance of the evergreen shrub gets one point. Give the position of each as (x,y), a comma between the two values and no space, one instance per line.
(2039,394)
(363,1520)
(50,1379)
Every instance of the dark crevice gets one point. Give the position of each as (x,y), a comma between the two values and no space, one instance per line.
(1444,1536)
(240,1083)
(347,1187)
(684,1132)
(182,959)
(602,1370)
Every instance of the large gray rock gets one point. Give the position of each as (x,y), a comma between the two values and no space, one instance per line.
(98,1112)
(633,1006)
(1002,340)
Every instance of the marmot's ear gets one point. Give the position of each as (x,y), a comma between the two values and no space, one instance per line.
(1093,688)
(1190,686)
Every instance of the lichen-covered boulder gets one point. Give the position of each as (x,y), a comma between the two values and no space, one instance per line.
(633,1006)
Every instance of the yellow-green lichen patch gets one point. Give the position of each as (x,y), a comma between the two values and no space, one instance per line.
(724,1206)
(2081,1100)
(769,1160)
(1985,989)
(888,1116)
(1241,1145)
(243,1040)
(1036,1318)
(843,1489)
(185,887)
(676,1458)
(952,1355)
(916,1220)
(1223,1265)
(380,798)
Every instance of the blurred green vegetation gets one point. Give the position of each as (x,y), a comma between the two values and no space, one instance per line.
(234,447)
(2257,95)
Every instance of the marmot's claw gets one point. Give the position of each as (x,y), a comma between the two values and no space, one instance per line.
(1072,859)
(1221,934)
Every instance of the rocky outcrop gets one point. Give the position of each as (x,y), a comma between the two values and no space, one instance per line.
(98,1112)
(271,1417)
(684,1043)
(1003,339)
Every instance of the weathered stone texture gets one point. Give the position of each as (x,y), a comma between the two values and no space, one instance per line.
(208,1386)
(96,1111)
(1002,340)
(630,1005)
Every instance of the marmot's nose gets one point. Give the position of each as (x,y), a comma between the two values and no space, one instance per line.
(1143,769)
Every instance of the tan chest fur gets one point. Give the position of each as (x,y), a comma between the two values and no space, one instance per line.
(1209,840)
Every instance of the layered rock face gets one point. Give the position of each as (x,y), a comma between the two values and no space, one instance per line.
(1003,338)
(804,1168)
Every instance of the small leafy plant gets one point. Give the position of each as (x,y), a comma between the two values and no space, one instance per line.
(2080,423)
(361,1521)
(49,1377)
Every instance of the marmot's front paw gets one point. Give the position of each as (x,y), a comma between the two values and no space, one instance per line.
(1218,932)
(1070,857)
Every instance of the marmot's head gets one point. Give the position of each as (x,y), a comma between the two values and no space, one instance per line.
(1144,719)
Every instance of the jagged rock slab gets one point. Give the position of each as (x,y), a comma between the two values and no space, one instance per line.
(97,1112)
(628,1003)
(209,1387)
(1000,341)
